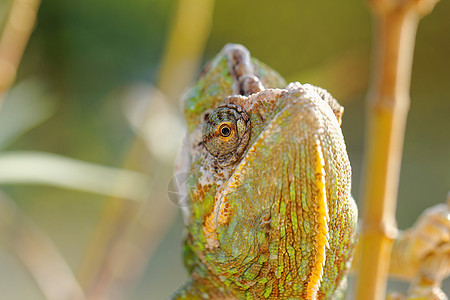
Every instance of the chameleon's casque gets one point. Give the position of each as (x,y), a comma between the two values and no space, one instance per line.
(269,212)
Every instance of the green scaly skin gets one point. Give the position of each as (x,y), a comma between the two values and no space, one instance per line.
(279,222)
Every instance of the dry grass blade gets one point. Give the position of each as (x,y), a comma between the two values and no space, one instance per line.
(23,167)
(187,39)
(388,102)
(17,30)
(37,253)
(122,222)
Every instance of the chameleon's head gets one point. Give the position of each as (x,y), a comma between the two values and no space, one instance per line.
(269,179)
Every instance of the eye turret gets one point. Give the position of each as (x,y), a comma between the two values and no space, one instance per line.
(226,131)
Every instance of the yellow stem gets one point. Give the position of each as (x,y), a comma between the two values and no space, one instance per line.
(388,103)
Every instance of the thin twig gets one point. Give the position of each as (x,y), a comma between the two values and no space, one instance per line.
(17,30)
(388,102)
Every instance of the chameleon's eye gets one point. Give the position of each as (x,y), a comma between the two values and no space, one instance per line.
(225,132)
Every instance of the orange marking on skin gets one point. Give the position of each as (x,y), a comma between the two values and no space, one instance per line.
(224,212)
(210,231)
(321,215)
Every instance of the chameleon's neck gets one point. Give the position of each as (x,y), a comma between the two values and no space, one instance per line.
(202,287)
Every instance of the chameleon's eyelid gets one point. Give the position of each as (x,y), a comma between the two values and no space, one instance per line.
(225,124)
(227,147)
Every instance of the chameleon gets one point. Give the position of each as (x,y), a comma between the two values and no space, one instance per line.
(268,208)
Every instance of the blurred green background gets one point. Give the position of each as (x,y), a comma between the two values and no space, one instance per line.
(86,59)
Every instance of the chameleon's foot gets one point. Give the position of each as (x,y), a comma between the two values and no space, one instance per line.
(395,296)
(435,268)
(432,294)
(422,254)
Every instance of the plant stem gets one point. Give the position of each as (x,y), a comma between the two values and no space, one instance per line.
(387,107)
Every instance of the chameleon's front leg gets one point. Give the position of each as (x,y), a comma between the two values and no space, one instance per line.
(422,254)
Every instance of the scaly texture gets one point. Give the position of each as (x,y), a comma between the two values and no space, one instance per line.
(270,216)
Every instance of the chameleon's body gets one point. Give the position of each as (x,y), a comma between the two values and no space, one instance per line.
(274,219)
(269,214)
